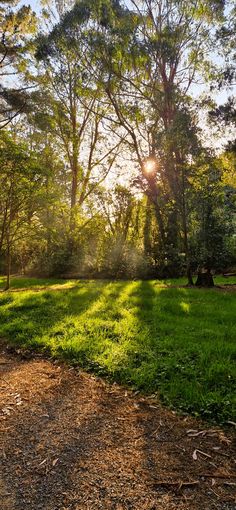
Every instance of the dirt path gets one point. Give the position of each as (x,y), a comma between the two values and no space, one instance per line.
(70,441)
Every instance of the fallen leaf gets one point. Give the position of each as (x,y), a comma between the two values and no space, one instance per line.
(6,410)
(196,434)
(195,457)
(224,439)
(205,454)
(43,462)
(54,462)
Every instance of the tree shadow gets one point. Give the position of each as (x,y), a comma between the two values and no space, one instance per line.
(48,320)
(183,350)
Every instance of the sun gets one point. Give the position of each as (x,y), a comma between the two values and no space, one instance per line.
(150,165)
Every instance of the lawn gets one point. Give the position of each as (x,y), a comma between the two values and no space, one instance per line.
(174,341)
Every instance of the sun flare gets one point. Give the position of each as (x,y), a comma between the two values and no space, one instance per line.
(150,166)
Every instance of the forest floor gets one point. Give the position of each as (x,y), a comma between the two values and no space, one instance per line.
(72,441)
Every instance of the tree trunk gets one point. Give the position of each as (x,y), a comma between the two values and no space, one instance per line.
(74,185)
(185,218)
(74,189)
(7,286)
(189,274)
(147,229)
(74,160)
(160,224)
(204,279)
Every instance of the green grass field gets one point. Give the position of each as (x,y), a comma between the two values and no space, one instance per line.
(176,342)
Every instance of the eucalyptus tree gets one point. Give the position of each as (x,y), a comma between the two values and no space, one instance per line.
(71,104)
(146,59)
(167,53)
(17,26)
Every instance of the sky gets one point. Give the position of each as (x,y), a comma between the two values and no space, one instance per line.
(35,4)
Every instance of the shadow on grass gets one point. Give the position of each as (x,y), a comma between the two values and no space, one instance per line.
(186,354)
(155,339)
(57,322)
(21,283)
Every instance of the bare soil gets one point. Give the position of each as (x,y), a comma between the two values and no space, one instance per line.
(71,441)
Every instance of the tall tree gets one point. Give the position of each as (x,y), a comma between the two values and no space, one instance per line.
(21,179)
(149,57)
(75,112)
(16,26)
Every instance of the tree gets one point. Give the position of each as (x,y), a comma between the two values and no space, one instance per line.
(142,62)
(224,79)
(122,244)
(16,25)
(212,224)
(149,57)
(21,178)
(75,114)
(112,91)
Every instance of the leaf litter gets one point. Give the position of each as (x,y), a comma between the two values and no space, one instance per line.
(73,441)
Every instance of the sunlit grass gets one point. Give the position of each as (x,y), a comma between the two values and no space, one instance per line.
(20,282)
(178,342)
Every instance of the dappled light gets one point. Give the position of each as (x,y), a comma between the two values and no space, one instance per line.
(185,306)
(117,155)
(152,336)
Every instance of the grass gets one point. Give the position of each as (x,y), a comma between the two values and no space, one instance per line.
(176,342)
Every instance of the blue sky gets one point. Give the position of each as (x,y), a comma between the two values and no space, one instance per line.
(35,4)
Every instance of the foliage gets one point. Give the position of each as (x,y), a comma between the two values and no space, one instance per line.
(111,177)
(212,216)
(21,196)
(16,25)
